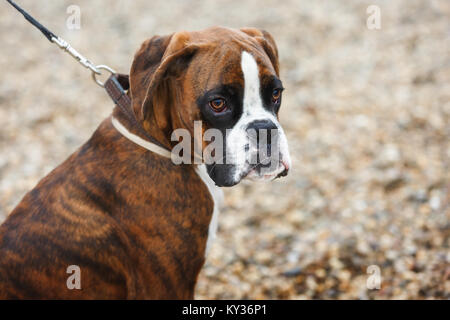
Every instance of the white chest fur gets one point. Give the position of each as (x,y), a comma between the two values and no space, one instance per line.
(217,196)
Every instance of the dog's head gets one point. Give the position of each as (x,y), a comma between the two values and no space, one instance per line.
(227,79)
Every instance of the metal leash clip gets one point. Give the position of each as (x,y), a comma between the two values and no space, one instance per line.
(65,46)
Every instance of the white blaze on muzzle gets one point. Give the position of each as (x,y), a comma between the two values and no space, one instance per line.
(253,110)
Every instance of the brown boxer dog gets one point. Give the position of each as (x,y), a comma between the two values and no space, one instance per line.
(134,224)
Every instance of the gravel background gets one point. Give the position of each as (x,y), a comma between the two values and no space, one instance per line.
(366,113)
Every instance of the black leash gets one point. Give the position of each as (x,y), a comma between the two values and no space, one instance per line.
(47,33)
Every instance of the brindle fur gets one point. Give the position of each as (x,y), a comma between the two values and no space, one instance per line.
(134,223)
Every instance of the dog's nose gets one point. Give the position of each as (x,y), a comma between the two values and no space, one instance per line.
(262,127)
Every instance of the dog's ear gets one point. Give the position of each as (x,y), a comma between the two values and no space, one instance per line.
(159,61)
(266,40)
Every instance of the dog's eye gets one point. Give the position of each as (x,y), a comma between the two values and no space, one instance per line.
(218,105)
(276,94)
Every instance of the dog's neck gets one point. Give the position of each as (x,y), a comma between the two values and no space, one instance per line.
(150,127)
(139,140)
(160,135)
(216,193)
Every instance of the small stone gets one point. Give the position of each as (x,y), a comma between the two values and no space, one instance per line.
(435,202)
(292,272)
(419,196)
